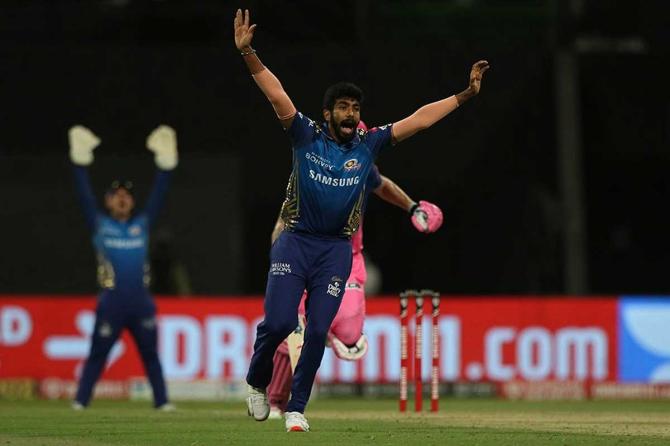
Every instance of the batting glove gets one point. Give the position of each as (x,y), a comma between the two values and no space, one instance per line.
(426,217)
(353,353)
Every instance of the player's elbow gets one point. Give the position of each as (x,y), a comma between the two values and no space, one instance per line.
(421,123)
(416,123)
(283,107)
(275,100)
(382,190)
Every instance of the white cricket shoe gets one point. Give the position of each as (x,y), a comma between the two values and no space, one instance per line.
(257,403)
(167,407)
(296,422)
(276,413)
(76,405)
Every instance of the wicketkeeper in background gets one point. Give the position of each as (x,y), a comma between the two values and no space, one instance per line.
(121,241)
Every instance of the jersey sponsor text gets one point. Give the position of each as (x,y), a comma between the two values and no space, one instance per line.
(122,243)
(319,160)
(330,181)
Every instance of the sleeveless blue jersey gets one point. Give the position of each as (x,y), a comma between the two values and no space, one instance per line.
(121,248)
(328,185)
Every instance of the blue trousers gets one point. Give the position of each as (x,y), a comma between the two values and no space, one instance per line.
(300,262)
(112,315)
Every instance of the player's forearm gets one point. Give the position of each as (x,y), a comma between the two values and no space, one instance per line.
(269,85)
(464,95)
(158,194)
(392,193)
(252,60)
(425,117)
(85,194)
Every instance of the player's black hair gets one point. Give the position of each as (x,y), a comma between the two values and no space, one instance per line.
(341,90)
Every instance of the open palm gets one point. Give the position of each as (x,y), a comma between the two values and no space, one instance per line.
(243,32)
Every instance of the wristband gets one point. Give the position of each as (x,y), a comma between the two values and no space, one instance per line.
(247,53)
(413,208)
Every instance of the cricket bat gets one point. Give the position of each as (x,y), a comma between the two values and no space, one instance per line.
(295,341)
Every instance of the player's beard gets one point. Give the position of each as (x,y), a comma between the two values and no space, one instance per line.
(337,129)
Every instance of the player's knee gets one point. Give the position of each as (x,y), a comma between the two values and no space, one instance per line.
(148,353)
(280,328)
(98,355)
(317,332)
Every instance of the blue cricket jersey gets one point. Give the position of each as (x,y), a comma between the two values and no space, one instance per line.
(121,247)
(374,179)
(328,185)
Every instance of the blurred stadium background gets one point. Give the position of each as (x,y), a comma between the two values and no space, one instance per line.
(553,181)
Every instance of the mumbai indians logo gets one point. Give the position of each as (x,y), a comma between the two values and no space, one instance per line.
(351,164)
(135,230)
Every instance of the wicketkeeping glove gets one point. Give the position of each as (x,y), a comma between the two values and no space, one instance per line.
(163,142)
(82,143)
(426,217)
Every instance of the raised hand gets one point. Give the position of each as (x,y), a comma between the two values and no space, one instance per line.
(162,141)
(476,74)
(243,32)
(82,143)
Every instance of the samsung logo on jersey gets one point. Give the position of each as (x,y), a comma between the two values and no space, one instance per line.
(330,181)
(122,243)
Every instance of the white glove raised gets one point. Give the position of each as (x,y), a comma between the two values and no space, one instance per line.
(82,143)
(163,142)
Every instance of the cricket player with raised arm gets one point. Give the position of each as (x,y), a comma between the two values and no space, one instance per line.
(322,210)
(121,242)
(346,337)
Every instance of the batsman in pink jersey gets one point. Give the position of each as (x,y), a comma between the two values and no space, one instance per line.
(346,336)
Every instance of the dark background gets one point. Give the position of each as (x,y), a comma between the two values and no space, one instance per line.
(121,67)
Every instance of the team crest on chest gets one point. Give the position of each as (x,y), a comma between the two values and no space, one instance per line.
(135,230)
(352,164)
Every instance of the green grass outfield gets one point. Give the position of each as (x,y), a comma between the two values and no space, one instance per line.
(342,422)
